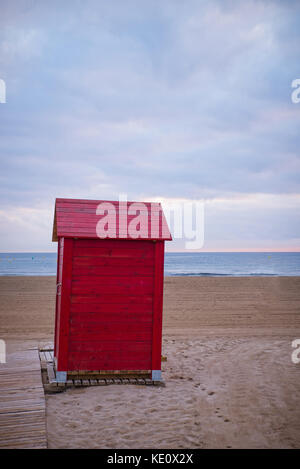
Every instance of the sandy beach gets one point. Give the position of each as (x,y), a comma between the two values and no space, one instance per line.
(229,377)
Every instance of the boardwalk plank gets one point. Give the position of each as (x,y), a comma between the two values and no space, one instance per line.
(22,402)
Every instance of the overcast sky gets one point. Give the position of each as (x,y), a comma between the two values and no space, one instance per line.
(157,99)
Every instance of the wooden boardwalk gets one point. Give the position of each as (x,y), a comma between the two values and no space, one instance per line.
(22,402)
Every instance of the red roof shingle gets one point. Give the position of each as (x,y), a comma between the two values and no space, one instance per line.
(109,219)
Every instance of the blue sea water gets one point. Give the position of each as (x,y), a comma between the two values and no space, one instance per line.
(237,264)
(28,263)
(192,264)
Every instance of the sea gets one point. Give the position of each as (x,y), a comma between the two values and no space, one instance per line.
(202,264)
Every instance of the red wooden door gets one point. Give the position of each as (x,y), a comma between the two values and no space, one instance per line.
(111,313)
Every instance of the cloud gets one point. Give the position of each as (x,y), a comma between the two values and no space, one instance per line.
(181,99)
(20,45)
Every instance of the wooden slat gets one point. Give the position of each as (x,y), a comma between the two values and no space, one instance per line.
(111,333)
(94,265)
(157,306)
(50,372)
(116,251)
(111,309)
(83,204)
(116,280)
(108,364)
(62,355)
(112,318)
(113,243)
(109,299)
(107,346)
(89,221)
(132,271)
(116,356)
(93,287)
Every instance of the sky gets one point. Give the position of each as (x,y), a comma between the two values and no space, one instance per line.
(159,100)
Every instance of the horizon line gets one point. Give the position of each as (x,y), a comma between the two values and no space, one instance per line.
(181,251)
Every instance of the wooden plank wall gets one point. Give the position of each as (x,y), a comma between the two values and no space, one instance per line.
(111,305)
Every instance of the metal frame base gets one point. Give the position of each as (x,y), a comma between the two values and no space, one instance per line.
(156,375)
(61,377)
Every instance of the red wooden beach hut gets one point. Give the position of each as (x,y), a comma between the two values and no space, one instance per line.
(109,287)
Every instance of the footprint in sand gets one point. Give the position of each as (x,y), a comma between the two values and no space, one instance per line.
(71,425)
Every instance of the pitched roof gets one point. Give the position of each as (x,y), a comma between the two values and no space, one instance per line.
(109,219)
